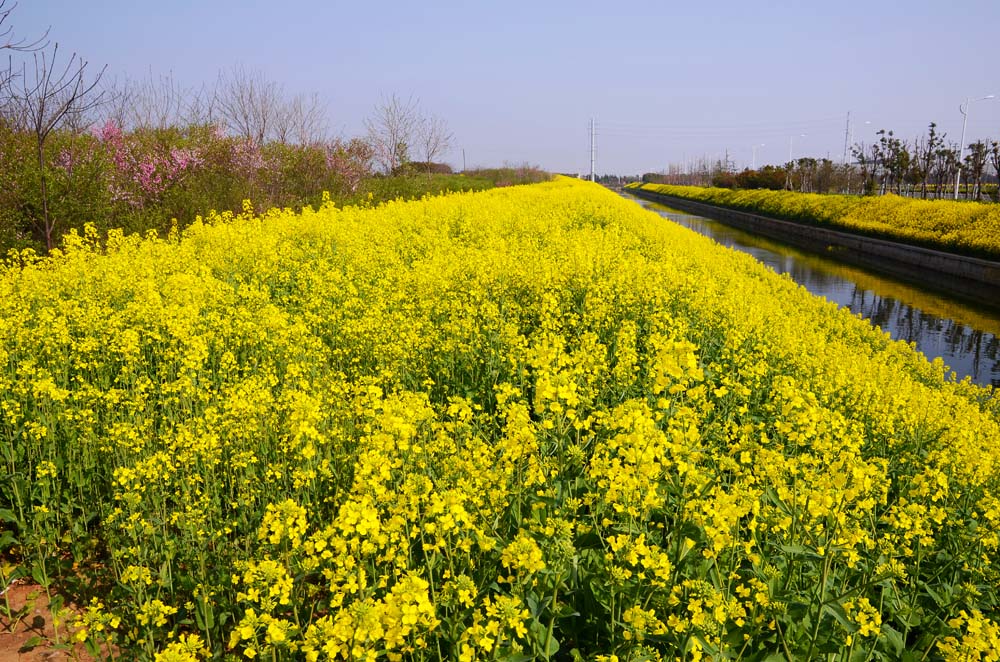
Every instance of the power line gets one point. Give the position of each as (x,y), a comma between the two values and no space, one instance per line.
(776,124)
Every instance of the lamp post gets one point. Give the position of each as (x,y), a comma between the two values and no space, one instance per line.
(790,141)
(964,109)
(753,156)
(867,123)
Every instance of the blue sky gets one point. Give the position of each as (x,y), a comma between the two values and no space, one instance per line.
(519,81)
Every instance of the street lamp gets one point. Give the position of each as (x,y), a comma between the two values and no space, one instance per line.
(753,157)
(790,139)
(964,109)
(867,123)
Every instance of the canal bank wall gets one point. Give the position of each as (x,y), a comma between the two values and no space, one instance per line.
(968,278)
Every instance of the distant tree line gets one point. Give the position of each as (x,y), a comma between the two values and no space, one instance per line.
(78,147)
(928,166)
(925,167)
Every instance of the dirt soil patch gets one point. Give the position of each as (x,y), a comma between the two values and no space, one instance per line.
(30,635)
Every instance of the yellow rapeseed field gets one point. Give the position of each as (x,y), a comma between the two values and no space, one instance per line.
(967,228)
(534,422)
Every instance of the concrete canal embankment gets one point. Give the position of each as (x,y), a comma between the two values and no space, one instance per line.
(968,278)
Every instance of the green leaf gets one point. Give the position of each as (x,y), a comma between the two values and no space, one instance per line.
(56,603)
(911,618)
(773,497)
(797,610)
(517,657)
(799,550)
(894,638)
(538,633)
(38,574)
(199,619)
(941,602)
(567,611)
(209,616)
(7,539)
(7,515)
(532,605)
(836,610)
(34,642)
(589,541)
(553,647)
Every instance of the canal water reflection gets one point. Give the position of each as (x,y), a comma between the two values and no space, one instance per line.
(966,337)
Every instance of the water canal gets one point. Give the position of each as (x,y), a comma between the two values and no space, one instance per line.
(966,337)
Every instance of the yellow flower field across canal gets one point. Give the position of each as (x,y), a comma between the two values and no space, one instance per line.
(534,422)
(966,228)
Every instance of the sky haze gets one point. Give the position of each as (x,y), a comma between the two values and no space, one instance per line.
(519,81)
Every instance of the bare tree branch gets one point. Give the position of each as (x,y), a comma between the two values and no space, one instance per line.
(154,102)
(304,120)
(391,130)
(9,43)
(248,103)
(118,102)
(49,97)
(433,138)
(201,108)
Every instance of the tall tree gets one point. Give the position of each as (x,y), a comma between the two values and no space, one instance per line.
(925,155)
(868,158)
(248,103)
(995,162)
(975,167)
(201,108)
(301,120)
(944,166)
(391,128)
(433,138)
(153,102)
(49,96)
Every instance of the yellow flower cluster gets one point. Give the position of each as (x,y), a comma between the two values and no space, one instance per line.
(533,422)
(970,228)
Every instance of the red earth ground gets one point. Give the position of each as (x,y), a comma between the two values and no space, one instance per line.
(34,625)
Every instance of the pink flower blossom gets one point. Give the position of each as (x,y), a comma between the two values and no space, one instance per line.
(141,175)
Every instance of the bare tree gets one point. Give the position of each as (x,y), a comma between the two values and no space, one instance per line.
(118,96)
(391,129)
(301,120)
(433,138)
(925,152)
(11,44)
(49,97)
(995,162)
(248,103)
(155,102)
(201,108)
(867,158)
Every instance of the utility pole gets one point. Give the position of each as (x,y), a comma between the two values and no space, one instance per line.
(593,148)
(847,133)
(964,109)
(463,159)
